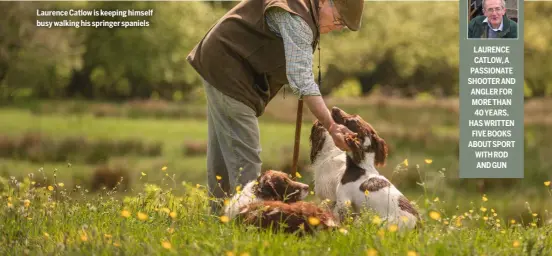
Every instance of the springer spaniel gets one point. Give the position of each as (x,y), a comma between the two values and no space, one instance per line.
(328,163)
(270,186)
(297,217)
(361,185)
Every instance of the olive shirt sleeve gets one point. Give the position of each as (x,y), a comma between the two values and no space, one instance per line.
(298,38)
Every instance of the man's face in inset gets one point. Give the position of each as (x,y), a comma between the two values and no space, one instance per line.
(494,10)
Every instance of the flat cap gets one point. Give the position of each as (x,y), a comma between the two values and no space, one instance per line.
(351,12)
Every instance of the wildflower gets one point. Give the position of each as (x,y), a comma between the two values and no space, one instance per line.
(381,232)
(312,192)
(61,184)
(435,215)
(497,225)
(535,215)
(516,244)
(143,174)
(298,175)
(224,219)
(503,231)
(164,168)
(116,244)
(108,236)
(314,221)
(411,253)
(428,161)
(483,209)
(404,219)
(198,186)
(219,177)
(492,210)
(302,226)
(170,230)
(84,237)
(46,235)
(436,199)
(226,202)
(348,203)
(26,203)
(513,221)
(229,253)
(166,244)
(485,218)
(484,198)
(366,192)
(173,215)
(125,213)
(495,214)
(376,220)
(50,188)
(142,216)
(405,162)
(393,228)
(241,169)
(244,254)
(533,224)
(343,231)
(458,222)
(445,222)
(238,188)
(547,183)
(371,252)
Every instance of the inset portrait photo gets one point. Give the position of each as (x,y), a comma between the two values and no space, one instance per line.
(493,19)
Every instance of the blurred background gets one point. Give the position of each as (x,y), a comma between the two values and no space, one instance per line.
(87,106)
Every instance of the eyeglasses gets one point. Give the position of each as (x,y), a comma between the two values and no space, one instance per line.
(492,10)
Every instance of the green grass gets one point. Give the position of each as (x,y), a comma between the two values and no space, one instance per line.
(52,222)
(96,217)
(276,140)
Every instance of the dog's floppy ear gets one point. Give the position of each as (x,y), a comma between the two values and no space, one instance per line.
(266,185)
(381,150)
(316,140)
(356,148)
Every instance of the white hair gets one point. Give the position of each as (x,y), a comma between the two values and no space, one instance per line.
(503,2)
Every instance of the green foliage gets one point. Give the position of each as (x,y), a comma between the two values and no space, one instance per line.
(406,47)
(350,88)
(401,43)
(102,62)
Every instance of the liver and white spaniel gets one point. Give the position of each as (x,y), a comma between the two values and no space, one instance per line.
(361,184)
(351,179)
(269,186)
(297,217)
(328,163)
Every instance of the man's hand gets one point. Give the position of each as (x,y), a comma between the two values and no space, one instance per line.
(319,109)
(338,133)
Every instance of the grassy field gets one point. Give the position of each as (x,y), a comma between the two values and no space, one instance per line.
(422,163)
(157,221)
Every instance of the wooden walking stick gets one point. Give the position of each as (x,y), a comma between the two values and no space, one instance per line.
(298,122)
